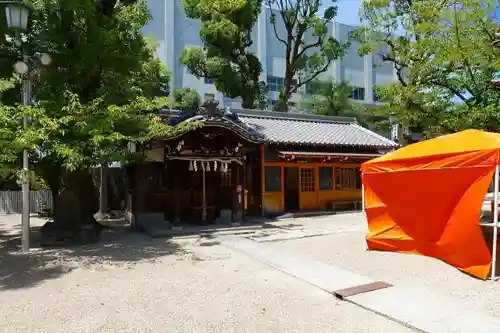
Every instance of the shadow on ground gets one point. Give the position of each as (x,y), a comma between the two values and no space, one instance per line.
(119,246)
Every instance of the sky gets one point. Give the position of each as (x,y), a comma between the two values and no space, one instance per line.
(348,11)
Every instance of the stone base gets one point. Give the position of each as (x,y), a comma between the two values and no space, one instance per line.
(225,216)
(53,234)
(238,216)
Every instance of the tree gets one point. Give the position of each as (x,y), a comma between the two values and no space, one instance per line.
(226,27)
(185,99)
(329,98)
(444,59)
(95,97)
(309,49)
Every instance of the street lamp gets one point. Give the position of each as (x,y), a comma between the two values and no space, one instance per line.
(17,17)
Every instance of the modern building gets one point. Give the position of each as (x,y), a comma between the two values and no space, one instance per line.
(174,31)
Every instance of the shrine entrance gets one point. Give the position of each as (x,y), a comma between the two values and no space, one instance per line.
(204,190)
(206,171)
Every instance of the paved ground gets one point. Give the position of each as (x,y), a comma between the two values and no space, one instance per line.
(343,245)
(135,284)
(197,285)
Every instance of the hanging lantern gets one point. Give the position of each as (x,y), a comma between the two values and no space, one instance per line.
(202,166)
(215,165)
(190,168)
(225,167)
(195,166)
(208,166)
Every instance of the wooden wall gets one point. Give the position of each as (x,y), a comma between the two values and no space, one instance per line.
(315,198)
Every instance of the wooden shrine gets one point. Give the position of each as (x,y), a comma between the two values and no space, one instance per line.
(234,164)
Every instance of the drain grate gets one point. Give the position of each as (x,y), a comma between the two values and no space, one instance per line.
(363,288)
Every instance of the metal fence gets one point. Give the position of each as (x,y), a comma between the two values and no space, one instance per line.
(11,202)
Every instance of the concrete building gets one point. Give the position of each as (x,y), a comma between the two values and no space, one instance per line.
(173,31)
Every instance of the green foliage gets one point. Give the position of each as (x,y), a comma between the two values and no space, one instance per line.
(329,98)
(185,99)
(444,58)
(226,27)
(95,96)
(10,127)
(309,48)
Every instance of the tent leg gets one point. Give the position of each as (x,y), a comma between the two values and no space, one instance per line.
(363,198)
(364,211)
(495,225)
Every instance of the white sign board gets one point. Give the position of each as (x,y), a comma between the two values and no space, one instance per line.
(395,132)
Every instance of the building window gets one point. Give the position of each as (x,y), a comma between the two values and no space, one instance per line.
(358,94)
(209,97)
(209,80)
(275,83)
(347,178)
(325,178)
(271,102)
(273,178)
(307,181)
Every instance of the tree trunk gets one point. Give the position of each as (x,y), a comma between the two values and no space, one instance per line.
(76,205)
(51,173)
(54,190)
(247,102)
(103,190)
(81,183)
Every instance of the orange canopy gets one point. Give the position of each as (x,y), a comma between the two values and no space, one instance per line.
(426,198)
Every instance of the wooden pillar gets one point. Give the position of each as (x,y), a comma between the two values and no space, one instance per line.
(234,190)
(239,192)
(262,179)
(244,198)
(175,172)
(204,196)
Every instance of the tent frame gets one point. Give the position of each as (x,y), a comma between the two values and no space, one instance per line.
(495,225)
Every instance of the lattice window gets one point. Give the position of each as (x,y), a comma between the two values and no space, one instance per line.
(347,178)
(307,180)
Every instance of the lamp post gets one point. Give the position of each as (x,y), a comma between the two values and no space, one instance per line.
(16,16)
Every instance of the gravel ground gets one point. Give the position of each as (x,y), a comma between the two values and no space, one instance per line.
(135,284)
(346,250)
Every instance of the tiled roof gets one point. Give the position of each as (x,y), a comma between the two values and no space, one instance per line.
(312,130)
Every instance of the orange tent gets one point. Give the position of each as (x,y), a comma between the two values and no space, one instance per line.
(426,198)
